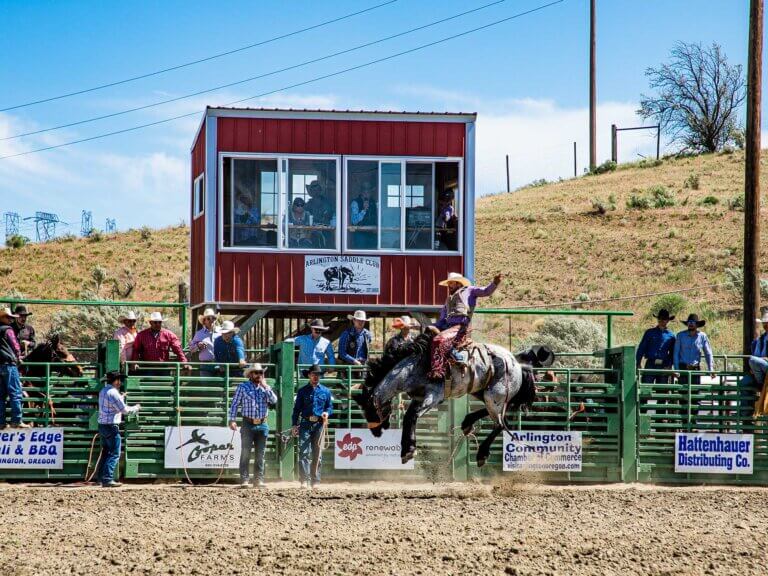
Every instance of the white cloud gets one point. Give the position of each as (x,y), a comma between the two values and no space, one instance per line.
(539,137)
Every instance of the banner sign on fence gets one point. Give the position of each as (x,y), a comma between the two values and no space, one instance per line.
(542,451)
(201,447)
(714,453)
(358,449)
(32,448)
(342,274)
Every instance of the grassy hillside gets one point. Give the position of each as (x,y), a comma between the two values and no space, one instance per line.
(550,240)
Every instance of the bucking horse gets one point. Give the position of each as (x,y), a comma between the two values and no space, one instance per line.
(491,374)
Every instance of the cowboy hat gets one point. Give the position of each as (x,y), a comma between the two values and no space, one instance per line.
(358,315)
(314,369)
(663,315)
(455,277)
(6,313)
(156,317)
(255,368)
(694,318)
(207,313)
(313,187)
(764,319)
(318,324)
(21,310)
(404,321)
(130,315)
(228,326)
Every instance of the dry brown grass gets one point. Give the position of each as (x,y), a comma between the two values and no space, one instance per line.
(554,247)
(547,239)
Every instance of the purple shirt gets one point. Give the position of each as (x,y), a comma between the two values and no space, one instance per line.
(11,337)
(472,293)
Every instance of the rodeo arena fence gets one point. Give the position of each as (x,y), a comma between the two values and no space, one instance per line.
(593,424)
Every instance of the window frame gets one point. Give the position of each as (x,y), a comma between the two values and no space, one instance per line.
(283,162)
(198,196)
(403,161)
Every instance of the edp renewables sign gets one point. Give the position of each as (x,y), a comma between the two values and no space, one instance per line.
(714,453)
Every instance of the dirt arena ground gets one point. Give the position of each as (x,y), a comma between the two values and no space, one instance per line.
(382,529)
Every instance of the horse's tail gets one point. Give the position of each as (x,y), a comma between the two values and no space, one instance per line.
(525,396)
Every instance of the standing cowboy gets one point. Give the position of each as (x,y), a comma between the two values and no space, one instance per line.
(314,404)
(154,344)
(313,348)
(228,348)
(758,365)
(126,335)
(203,341)
(25,334)
(253,397)
(690,346)
(111,409)
(656,347)
(455,318)
(354,341)
(10,383)
(404,324)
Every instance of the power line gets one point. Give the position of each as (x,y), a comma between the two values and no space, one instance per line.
(199,61)
(258,77)
(296,85)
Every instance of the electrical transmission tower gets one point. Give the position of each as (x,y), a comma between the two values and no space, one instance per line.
(86,223)
(45,225)
(11,224)
(111,226)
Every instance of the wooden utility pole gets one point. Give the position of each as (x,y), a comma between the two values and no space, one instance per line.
(574,163)
(752,175)
(592,90)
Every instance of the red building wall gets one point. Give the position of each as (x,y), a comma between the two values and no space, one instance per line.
(261,277)
(197,237)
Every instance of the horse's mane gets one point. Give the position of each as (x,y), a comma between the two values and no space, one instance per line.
(378,368)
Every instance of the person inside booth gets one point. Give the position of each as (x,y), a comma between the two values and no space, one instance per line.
(300,234)
(364,217)
(247,221)
(446,222)
(322,209)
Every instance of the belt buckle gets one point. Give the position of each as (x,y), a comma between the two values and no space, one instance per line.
(313,418)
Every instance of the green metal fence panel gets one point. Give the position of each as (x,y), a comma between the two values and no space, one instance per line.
(170,397)
(668,405)
(586,400)
(66,402)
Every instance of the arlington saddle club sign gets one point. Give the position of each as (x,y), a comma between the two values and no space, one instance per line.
(342,275)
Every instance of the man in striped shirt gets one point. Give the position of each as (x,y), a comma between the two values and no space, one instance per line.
(253,398)
(111,409)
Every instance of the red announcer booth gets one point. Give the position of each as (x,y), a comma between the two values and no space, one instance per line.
(311,212)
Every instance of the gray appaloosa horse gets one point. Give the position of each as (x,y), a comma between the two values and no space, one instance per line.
(493,375)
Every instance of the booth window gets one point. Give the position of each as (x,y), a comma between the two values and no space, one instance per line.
(251,203)
(199,196)
(310,204)
(402,205)
(279,202)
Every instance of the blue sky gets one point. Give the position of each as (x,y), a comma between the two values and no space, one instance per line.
(527,79)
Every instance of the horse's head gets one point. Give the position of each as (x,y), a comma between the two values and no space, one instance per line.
(59,353)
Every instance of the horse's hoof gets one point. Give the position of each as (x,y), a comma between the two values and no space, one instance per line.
(466,431)
(408,456)
(480,462)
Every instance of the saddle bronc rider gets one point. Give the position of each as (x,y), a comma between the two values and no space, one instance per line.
(455,318)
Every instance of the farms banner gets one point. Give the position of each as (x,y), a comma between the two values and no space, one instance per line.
(714,453)
(201,447)
(342,275)
(358,449)
(542,451)
(32,448)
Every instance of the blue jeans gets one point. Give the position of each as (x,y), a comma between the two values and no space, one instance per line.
(759,368)
(10,386)
(250,435)
(310,451)
(110,452)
